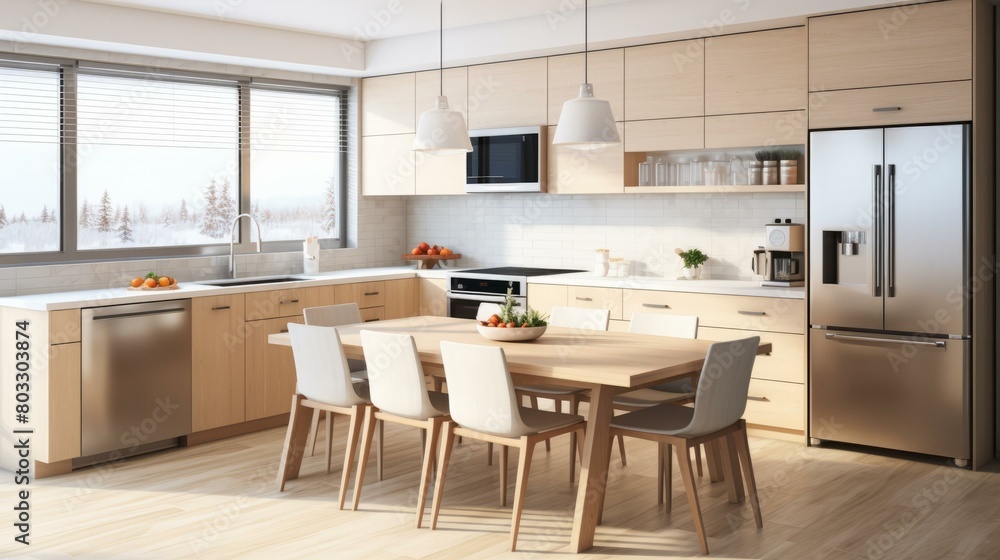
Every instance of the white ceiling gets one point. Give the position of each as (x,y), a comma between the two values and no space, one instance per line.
(372,19)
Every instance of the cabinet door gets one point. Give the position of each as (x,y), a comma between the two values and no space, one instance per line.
(508,94)
(218,374)
(59,405)
(401,298)
(64,326)
(756,129)
(365,294)
(756,72)
(909,44)
(270,369)
(544,297)
(433,296)
(456,88)
(665,134)
(387,105)
(371,314)
(436,173)
(665,80)
(606,71)
(786,362)
(596,298)
(387,165)
(887,106)
(573,171)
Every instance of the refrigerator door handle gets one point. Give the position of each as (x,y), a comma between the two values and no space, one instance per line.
(877,228)
(890,232)
(921,344)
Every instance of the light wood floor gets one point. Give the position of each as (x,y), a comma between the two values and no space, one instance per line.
(220,500)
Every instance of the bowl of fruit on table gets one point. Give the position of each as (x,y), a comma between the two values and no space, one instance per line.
(511,326)
(152,281)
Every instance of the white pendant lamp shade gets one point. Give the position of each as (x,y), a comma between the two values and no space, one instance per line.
(442,130)
(586,122)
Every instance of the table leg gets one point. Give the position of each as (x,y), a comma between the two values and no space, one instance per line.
(594,471)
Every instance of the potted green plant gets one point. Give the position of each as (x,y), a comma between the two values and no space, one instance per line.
(693,259)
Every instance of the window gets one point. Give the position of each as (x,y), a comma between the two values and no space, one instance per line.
(101,162)
(295,163)
(157,162)
(30,156)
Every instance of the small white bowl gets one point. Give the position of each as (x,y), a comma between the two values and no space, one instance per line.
(517,334)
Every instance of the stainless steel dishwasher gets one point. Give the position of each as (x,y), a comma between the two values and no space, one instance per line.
(136,378)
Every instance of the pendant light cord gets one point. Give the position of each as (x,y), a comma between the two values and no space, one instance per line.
(586,30)
(441,48)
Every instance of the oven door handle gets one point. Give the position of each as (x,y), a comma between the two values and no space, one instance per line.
(481,298)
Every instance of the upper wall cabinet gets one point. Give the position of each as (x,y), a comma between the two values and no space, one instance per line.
(756,72)
(456,87)
(573,171)
(665,80)
(508,94)
(387,165)
(387,105)
(435,173)
(606,71)
(909,44)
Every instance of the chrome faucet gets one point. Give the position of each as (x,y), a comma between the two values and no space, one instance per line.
(232,232)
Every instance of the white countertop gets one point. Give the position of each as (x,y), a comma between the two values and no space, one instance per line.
(721,287)
(116,296)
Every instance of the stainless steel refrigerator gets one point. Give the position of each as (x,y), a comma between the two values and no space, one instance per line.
(889,245)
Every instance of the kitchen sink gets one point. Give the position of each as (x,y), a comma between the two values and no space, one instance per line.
(252,281)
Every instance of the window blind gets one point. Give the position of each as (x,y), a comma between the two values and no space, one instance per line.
(30,105)
(297,121)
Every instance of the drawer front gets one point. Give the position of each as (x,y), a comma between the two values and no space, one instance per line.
(370,314)
(924,103)
(280,303)
(596,298)
(786,362)
(776,404)
(365,294)
(732,312)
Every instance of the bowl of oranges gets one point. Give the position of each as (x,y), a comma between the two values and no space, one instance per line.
(153,281)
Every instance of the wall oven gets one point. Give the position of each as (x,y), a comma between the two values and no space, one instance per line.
(469,288)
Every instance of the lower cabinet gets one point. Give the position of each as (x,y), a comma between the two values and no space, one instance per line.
(401,299)
(270,369)
(544,297)
(218,374)
(432,297)
(61,408)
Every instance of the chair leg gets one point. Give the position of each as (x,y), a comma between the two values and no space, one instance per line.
(367,434)
(378,450)
(731,469)
(313,428)
(621,450)
(329,440)
(697,459)
(520,489)
(503,475)
(713,457)
(357,412)
(489,454)
(295,440)
(668,477)
(434,429)
(659,473)
(743,450)
(574,407)
(444,455)
(692,492)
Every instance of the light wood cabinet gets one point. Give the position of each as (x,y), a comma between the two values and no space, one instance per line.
(365,294)
(64,326)
(595,298)
(908,44)
(218,372)
(433,297)
(773,404)
(428,87)
(606,71)
(786,362)
(544,297)
(438,174)
(887,106)
(756,72)
(401,298)
(756,129)
(270,369)
(57,414)
(388,167)
(370,314)
(665,135)
(573,171)
(732,312)
(665,80)
(388,105)
(281,303)
(508,94)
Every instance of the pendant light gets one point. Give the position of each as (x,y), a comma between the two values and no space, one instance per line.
(586,122)
(442,130)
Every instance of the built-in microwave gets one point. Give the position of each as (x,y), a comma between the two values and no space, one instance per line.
(506,160)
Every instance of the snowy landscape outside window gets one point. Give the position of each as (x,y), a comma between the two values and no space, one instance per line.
(29,160)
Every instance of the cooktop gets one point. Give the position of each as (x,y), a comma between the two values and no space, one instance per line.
(518,271)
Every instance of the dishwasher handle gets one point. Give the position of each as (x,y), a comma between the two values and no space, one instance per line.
(140,313)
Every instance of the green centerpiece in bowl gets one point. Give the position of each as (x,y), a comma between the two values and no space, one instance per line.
(511,326)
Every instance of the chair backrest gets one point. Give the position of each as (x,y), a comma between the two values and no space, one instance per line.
(395,377)
(678,326)
(486,310)
(721,397)
(333,315)
(321,370)
(481,394)
(580,318)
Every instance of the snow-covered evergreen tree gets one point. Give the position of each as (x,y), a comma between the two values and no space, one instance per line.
(125,227)
(84,221)
(183,215)
(118,214)
(227,206)
(45,214)
(167,219)
(23,219)
(143,217)
(104,222)
(210,217)
(330,207)
(3,217)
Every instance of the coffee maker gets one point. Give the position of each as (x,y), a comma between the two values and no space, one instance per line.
(782,259)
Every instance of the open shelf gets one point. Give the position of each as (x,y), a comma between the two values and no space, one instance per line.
(722,189)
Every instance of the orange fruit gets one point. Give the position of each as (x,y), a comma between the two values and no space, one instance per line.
(511,325)
(136,282)
(501,325)
(423,246)
(445,252)
(173,281)
(432,251)
(150,283)
(416,251)
(164,281)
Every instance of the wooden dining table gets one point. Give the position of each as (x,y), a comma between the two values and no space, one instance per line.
(604,362)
